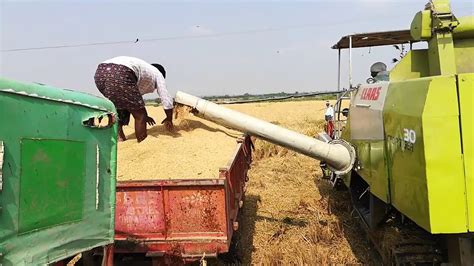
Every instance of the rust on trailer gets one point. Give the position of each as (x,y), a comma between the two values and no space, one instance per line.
(185,218)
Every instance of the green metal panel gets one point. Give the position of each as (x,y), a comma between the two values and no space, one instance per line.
(379,184)
(465,29)
(443,156)
(441,55)
(372,167)
(49,119)
(466,97)
(363,157)
(58,168)
(408,188)
(426,172)
(464,50)
(413,65)
(421,25)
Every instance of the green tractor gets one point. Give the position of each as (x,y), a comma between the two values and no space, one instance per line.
(412,128)
(57,173)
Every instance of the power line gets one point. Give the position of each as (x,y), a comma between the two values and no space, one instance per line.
(181,37)
(65,46)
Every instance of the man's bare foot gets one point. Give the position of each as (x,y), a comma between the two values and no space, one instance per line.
(169,126)
(142,137)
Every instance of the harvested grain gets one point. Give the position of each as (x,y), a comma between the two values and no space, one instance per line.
(181,112)
(197,149)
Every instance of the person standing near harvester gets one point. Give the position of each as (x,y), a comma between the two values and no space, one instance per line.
(123,80)
(329,117)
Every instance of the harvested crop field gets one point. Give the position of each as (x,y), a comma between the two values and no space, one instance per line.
(290,215)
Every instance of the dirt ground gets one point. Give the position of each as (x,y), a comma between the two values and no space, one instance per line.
(291,215)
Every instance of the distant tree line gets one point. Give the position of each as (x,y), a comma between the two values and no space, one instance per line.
(249,97)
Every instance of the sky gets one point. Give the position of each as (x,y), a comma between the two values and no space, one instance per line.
(208,47)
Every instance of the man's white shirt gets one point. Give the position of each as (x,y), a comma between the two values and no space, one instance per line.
(149,78)
(330,111)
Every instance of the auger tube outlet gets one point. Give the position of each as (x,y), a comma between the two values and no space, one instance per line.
(339,155)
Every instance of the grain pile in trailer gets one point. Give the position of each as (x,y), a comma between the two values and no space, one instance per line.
(196,150)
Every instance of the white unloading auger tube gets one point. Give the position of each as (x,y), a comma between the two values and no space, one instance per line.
(339,155)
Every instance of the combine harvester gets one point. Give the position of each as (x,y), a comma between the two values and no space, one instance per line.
(406,153)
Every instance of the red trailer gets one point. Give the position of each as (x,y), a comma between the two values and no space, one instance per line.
(182,218)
